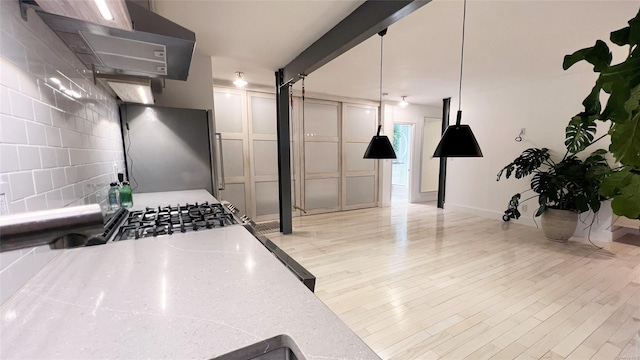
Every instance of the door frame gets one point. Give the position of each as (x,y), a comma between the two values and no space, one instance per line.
(415,177)
(412,152)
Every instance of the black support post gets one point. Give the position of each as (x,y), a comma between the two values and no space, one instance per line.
(442,175)
(284,153)
(368,19)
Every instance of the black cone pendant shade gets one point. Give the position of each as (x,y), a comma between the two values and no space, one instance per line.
(379,147)
(458,141)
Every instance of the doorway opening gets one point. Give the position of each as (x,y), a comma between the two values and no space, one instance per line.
(401,166)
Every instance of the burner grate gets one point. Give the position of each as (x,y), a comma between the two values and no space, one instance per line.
(167,220)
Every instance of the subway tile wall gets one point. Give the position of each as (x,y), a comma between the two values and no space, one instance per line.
(56,149)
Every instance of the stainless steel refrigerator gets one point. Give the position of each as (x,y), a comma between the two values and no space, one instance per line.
(169,149)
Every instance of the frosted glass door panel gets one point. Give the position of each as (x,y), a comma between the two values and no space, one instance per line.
(360,190)
(355,162)
(263,112)
(265,155)
(321,193)
(228,112)
(267,202)
(320,120)
(234,193)
(233,157)
(360,122)
(320,157)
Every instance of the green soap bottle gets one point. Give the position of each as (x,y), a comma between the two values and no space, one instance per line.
(126,198)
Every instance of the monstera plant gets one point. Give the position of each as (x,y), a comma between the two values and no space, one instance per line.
(622,83)
(568,184)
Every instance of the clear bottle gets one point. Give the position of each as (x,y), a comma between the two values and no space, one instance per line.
(113,197)
(126,198)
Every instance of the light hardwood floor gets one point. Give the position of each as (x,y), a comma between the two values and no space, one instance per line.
(417,282)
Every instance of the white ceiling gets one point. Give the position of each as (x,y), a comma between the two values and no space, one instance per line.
(507,42)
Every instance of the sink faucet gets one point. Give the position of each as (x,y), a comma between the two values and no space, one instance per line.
(60,228)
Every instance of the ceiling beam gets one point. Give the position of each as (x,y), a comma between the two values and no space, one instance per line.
(367,20)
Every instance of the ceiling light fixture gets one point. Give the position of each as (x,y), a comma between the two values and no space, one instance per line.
(240,81)
(404,102)
(458,140)
(380,146)
(104,9)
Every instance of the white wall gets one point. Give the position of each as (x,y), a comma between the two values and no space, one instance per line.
(430,165)
(543,107)
(54,151)
(196,92)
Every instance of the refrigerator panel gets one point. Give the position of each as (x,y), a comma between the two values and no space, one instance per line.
(167,149)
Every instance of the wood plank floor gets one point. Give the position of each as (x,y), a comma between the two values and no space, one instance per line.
(417,282)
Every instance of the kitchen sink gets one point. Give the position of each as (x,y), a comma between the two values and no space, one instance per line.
(281,347)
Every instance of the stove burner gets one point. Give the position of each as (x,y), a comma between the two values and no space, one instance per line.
(153,222)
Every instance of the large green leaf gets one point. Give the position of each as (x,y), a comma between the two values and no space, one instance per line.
(598,55)
(634,34)
(625,141)
(617,180)
(627,202)
(530,160)
(619,72)
(615,109)
(579,136)
(621,37)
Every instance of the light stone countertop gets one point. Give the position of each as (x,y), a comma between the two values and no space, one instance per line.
(192,295)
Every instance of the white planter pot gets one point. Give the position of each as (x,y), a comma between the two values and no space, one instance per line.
(559,225)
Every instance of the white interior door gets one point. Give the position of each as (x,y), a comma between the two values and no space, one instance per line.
(231,122)
(263,148)
(359,176)
(320,132)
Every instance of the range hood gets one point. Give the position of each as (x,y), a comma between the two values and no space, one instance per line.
(156,48)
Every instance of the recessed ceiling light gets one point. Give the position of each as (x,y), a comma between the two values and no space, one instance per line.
(239,81)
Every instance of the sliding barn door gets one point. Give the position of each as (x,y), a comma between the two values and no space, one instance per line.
(359,176)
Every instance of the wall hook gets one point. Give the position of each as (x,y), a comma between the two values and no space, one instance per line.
(519,137)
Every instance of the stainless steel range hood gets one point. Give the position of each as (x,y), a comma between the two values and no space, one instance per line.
(156,48)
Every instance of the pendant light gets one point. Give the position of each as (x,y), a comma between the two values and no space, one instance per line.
(458,140)
(380,146)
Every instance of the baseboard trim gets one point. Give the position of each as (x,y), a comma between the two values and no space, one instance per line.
(490,214)
(426,197)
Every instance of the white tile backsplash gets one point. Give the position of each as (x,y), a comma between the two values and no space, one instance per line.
(12,130)
(29,157)
(37,203)
(54,199)
(36,133)
(60,179)
(9,158)
(42,112)
(48,156)
(53,136)
(21,185)
(62,157)
(47,140)
(71,139)
(21,105)
(43,181)
(5,104)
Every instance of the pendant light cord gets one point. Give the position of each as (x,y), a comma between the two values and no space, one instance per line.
(382,34)
(464,20)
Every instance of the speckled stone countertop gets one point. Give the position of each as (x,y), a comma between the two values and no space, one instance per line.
(192,295)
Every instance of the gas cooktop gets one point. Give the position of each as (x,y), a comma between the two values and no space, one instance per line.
(168,220)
